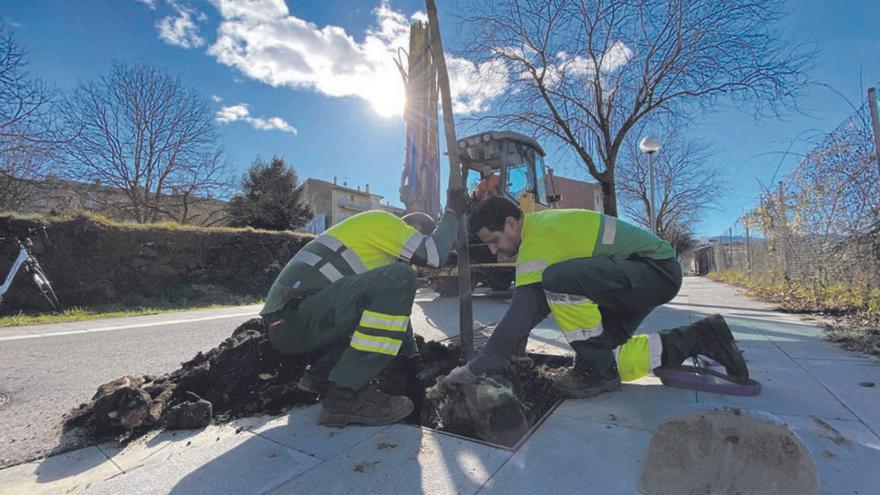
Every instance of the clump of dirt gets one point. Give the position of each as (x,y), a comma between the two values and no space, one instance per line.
(245,376)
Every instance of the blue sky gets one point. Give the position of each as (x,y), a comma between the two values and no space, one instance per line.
(329,120)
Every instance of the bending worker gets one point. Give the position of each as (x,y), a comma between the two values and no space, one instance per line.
(599,277)
(345,299)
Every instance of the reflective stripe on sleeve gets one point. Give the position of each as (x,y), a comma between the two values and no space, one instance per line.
(353,260)
(610,230)
(411,245)
(307,257)
(433,255)
(330,272)
(530,267)
(379,345)
(331,242)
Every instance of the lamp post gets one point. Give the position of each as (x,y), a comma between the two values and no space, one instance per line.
(650,145)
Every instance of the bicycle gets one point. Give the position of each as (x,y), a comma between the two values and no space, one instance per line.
(27,260)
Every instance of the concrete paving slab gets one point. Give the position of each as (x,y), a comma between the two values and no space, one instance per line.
(437,319)
(299,430)
(150,448)
(76,471)
(212,462)
(403,459)
(785,389)
(569,455)
(789,331)
(664,318)
(802,340)
(845,452)
(641,404)
(855,383)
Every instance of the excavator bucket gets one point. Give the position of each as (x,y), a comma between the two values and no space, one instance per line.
(720,450)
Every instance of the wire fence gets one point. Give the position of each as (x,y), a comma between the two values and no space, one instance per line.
(818,233)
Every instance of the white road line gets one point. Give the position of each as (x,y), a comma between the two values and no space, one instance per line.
(125,327)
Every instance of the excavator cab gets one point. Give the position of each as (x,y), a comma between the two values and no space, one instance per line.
(507,164)
(497,163)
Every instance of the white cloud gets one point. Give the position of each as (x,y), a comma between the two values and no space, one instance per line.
(233,113)
(217,99)
(149,3)
(180,29)
(265,42)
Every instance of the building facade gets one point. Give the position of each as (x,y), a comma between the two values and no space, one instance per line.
(575,193)
(333,202)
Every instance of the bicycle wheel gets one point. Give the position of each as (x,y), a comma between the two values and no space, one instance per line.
(45,288)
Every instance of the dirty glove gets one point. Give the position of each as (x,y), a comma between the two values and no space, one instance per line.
(457,202)
(461,375)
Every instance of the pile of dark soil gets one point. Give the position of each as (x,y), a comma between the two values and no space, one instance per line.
(245,376)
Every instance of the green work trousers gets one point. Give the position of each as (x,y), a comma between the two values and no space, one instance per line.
(626,291)
(348,311)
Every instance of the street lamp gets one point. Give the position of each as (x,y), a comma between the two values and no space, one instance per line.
(650,145)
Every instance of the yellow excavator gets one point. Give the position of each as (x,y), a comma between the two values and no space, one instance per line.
(497,163)
(494,163)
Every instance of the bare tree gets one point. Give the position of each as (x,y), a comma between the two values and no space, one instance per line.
(143,132)
(28,134)
(836,187)
(586,72)
(686,185)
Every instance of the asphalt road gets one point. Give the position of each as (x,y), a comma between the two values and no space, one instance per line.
(47,370)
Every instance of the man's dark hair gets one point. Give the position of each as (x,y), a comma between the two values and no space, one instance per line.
(491,213)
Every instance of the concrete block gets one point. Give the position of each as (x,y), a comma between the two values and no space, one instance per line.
(568,455)
(73,472)
(727,451)
(403,459)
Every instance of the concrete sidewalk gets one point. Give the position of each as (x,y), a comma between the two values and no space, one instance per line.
(828,397)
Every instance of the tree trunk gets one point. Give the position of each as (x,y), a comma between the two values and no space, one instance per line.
(609,195)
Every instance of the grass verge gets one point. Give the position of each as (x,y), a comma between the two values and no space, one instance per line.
(112,311)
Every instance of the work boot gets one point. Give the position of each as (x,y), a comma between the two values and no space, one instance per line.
(717,342)
(710,337)
(579,383)
(368,406)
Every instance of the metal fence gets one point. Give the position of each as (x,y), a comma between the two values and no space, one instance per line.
(819,230)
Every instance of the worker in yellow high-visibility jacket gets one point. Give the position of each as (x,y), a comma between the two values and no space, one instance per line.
(345,298)
(599,277)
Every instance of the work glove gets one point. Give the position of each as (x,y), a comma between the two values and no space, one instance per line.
(461,375)
(457,202)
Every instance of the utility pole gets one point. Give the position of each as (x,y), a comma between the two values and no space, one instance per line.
(875,122)
(730,238)
(748,251)
(465,307)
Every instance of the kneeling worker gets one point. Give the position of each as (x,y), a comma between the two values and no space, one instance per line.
(345,299)
(599,277)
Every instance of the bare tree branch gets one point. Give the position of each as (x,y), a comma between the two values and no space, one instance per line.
(142,131)
(586,72)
